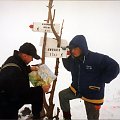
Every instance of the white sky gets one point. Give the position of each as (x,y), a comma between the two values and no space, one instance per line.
(98,21)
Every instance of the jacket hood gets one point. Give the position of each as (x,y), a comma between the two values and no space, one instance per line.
(79,41)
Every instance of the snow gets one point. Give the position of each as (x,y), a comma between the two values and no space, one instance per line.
(99,21)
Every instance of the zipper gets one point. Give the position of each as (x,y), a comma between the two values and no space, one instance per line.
(79,75)
(79,79)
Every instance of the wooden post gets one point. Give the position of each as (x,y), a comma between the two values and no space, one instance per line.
(50,107)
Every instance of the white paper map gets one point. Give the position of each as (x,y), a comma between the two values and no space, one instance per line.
(45,73)
(42,77)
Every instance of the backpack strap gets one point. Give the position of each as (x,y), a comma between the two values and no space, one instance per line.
(10,65)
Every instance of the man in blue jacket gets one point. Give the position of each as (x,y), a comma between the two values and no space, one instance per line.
(90,71)
(15,90)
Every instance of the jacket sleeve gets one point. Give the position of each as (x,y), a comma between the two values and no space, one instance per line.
(29,69)
(66,63)
(109,69)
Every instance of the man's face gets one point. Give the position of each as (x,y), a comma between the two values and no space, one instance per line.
(76,52)
(27,58)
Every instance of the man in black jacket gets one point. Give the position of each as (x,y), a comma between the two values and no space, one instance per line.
(15,90)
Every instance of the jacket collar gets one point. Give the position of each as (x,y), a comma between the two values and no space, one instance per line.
(15,54)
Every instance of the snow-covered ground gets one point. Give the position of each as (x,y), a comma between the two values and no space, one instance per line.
(110,110)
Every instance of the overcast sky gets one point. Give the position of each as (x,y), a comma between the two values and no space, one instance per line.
(98,21)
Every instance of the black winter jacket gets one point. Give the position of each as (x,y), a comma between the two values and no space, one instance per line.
(14,81)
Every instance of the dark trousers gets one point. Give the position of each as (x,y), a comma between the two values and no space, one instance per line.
(66,95)
(91,111)
(9,109)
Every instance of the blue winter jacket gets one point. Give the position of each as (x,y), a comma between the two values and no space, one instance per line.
(90,71)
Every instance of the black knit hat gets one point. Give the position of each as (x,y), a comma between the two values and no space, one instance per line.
(29,49)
